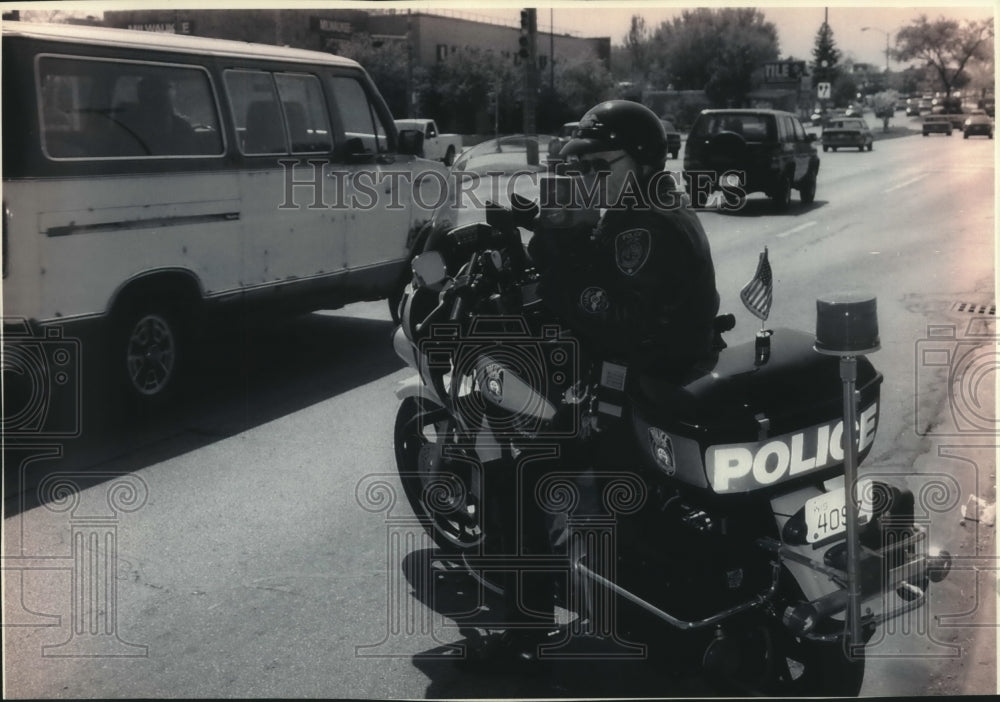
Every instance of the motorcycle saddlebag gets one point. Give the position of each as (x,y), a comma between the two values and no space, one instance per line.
(756,418)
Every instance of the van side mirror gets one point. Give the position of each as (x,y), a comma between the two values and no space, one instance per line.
(410,142)
(355,152)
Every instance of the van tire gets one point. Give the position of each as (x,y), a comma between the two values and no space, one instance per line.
(148,351)
(449,157)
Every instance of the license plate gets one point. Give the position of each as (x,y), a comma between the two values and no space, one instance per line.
(826,514)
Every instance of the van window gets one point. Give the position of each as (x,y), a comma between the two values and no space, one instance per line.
(358,116)
(256,113)
(305,112)
(278,113)
(96,108)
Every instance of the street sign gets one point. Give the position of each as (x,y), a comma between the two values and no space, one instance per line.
(823,91)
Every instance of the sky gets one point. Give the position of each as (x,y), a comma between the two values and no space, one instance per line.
(797,22)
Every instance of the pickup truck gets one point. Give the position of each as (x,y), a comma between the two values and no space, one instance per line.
(437,146)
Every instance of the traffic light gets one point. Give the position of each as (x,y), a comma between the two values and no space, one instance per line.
(523,40)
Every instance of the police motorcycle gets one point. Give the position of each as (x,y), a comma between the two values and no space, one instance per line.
(734,552)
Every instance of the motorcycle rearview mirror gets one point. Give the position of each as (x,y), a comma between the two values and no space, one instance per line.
(429,270)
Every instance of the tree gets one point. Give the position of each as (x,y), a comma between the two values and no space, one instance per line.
(637,48)
(713,50)
(456,91)
(580,84)
(386,63)
(845,90)
(946,46)
(826,57)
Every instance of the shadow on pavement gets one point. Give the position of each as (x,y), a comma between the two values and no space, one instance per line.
(241,377)
(895,131)
(758,205)
(584,667)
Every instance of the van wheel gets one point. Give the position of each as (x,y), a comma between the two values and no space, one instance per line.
(148,350)
(449,157)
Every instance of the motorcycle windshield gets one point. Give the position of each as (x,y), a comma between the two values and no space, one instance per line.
(493,172)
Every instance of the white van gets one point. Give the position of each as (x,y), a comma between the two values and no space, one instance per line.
(150,180)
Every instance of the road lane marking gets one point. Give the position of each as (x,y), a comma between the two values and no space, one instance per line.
(793,230)
(911,181)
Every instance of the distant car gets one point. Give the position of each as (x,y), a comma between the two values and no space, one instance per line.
(765,151)
(673,138)
(847,132)
(978,122)
(853,111)
(936,124)
(560,139)
(912,108)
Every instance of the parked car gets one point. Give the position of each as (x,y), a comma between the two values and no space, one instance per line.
(437,146)
(978,122)
(673,138)
(913,107)
(768,149)
(936,124)
(847,132)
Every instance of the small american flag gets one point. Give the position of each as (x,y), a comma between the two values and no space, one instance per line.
(756,294)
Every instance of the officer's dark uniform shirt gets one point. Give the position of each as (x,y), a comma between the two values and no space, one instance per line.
(642,288)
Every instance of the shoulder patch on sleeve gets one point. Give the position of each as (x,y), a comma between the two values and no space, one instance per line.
(632,250)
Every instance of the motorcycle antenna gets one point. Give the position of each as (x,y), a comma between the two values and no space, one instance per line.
(847,326)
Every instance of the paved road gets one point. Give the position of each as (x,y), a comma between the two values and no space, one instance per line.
(248,546)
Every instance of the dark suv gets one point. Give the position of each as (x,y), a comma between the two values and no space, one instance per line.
(768,149)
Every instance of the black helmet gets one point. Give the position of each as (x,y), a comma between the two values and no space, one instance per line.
(620,125)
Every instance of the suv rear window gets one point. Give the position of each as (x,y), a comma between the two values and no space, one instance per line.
(750,126)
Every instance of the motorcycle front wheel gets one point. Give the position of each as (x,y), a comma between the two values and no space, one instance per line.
(439,486)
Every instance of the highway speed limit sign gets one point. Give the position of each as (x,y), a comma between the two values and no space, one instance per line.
(823,91)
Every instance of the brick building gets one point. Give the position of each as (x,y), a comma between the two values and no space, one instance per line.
(434,37)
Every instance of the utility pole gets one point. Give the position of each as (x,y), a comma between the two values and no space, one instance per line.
(529,56)
(411,107)
(528,53)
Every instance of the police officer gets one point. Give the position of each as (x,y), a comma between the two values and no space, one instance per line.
(640,287)
(632,279)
